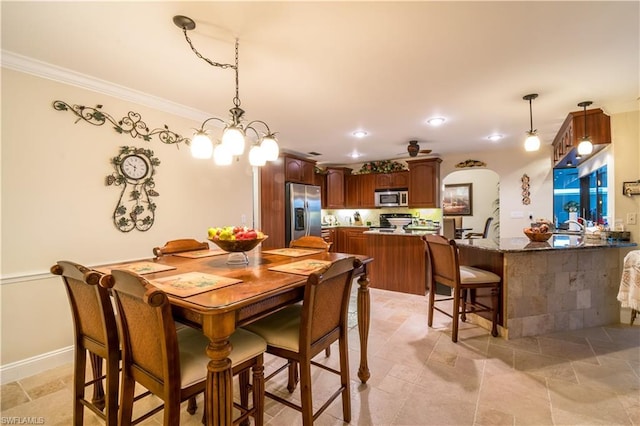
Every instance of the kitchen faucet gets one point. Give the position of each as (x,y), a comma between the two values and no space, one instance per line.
(580,225)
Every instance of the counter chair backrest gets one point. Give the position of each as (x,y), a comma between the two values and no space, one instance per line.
(310,241)
(180,246)
(300,333)
(442,255)
(170,364)
(95,333)
(449,228)
(485,232)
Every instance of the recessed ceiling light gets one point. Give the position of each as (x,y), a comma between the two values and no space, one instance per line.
(436,121)
(495,137)
(355,154)
(360,133)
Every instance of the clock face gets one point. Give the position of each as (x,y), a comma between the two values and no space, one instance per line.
(134,167)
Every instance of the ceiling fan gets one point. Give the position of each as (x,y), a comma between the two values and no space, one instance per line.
(414,149)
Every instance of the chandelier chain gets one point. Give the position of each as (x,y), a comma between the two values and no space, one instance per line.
(207,60)
(236,100)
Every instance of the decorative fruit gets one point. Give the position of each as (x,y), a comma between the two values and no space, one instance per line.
(232,233)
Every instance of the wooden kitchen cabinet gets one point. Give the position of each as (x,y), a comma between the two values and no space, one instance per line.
(320,179)
(424,183)
(360,191)
(565,144)
(272,194)
(336,187)
(392,180)
(351,240)
(299,170)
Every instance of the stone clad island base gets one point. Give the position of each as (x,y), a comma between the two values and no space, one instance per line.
(567,283)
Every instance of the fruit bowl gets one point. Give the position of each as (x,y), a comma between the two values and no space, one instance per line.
(399,222)
(236,246)
(538,236)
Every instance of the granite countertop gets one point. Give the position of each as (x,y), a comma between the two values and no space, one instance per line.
(402,233)
(556,242)
(324,226)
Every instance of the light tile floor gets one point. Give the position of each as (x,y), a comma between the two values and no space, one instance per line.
(419,377)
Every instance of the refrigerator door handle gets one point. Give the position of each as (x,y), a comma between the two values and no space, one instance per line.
(306,214)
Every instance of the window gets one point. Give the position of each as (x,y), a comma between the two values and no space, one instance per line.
(585,195)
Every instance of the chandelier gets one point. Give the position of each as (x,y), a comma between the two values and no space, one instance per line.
(234,134)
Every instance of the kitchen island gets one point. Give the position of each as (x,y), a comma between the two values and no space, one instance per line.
(566,283)
(400,260)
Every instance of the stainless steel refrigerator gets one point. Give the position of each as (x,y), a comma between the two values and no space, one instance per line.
(302,213)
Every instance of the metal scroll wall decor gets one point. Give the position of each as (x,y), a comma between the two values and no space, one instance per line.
(470,163)
(132,124)
(526,195)
(134,170)
(134,167)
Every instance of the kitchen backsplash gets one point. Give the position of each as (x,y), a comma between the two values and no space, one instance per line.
(373,215)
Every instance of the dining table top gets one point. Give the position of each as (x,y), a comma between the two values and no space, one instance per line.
(255,280)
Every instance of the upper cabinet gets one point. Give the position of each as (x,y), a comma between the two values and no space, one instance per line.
(299,170)
(391,180)
(360,191)
(565,144)
(335,178)
(424,183)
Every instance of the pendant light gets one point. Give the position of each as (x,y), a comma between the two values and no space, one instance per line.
(532,143)
(585,147)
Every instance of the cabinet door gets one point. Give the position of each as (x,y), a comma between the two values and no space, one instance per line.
(352,191)
(320,179)
(367,191)
(335,188)
(424,183)
(356,241)
(272,204)
(400,180)
(299,171)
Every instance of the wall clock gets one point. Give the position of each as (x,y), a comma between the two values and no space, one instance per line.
(134,170)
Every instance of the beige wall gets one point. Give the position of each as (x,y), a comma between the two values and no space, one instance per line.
(626,152)
(56,205)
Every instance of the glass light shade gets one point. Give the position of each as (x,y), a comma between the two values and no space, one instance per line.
(532,143)
(270,148)
(233,138)
(585,147)
(201,146)
(256,156)
(222,156)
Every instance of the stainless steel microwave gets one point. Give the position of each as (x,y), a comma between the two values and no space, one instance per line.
(392,198)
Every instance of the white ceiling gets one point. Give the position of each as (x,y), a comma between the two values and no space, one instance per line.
(318,71)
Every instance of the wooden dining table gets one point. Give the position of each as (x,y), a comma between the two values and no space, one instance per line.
(260,292)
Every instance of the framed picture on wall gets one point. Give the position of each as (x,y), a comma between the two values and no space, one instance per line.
(458,200)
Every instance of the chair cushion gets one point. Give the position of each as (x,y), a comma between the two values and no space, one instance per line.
(193,357)
(471,275)
(280,329)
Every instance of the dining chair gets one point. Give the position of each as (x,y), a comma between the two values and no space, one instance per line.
(95,333)
(449,228)
(310,241)
(298,335)
(483,234)
(180,246)
(173,365)
(442,254)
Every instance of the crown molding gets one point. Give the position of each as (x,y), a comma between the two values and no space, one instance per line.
(25,64)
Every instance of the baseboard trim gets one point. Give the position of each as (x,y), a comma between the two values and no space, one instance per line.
(34,365)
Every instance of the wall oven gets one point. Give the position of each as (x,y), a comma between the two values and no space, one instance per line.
(391,198)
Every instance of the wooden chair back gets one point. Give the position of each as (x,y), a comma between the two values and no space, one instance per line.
(485,232)
(448,228)
(149,341)
(310,242)
(325,306)
(443,256)
(180,246)
(95,331)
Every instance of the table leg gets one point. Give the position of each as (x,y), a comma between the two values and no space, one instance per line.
(219,390)
(364,307)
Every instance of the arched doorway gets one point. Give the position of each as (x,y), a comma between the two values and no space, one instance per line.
(485,197)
